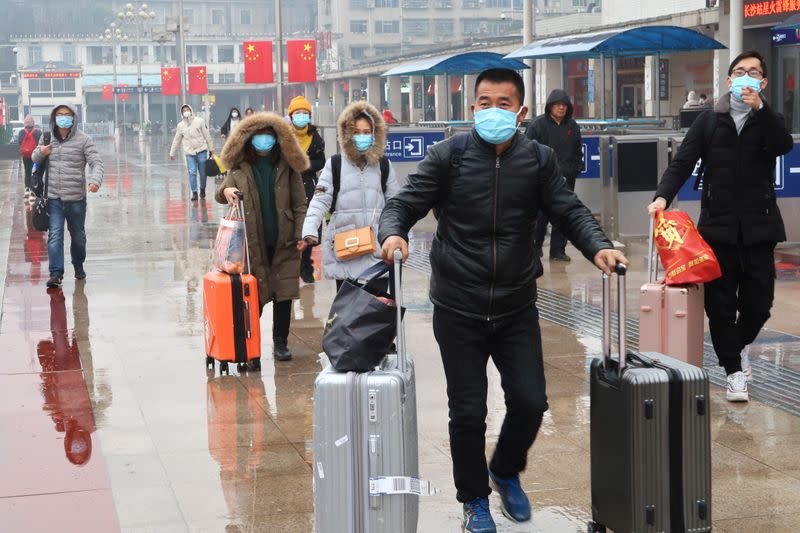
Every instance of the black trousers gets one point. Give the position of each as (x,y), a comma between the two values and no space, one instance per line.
(281,312)
(515,345)
(27,162)
(738,303)
(558,241)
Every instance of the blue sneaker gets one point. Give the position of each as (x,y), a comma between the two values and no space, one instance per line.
(477,518)
(516,506)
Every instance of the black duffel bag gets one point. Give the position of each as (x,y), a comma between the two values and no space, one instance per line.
(361,328)
(40,210)
(212,167)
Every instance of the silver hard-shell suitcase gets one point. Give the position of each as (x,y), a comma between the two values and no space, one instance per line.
(650,438)
(366,465)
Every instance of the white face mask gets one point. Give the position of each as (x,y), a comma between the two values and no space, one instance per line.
(234,115)
(187,114)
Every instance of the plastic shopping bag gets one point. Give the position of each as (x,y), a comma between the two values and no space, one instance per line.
(230,246)
(685,255)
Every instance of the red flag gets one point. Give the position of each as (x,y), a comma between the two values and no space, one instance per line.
(123,97)
(198,83)
(258,62)
(302,59)
(108,91)
(171,81)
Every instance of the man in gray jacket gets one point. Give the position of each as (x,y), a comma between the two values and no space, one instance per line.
(192,135)
(67,155)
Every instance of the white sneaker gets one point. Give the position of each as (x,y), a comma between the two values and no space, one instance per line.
(737,388)
(746,367)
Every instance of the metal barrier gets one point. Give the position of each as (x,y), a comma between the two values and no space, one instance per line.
(98,129)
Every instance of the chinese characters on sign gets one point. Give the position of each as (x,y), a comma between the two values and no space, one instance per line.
(771,7)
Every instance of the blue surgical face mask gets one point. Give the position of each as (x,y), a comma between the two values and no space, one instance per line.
(364,141)
(744,81)
(495,125)
(263,142)
(301,120)
(64,121)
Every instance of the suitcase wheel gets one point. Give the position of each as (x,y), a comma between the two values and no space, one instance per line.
(254,364)
(209,362)
(594,527)
(223,369)
(241,368)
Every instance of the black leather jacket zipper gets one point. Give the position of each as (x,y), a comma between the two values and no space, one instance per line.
(494,237)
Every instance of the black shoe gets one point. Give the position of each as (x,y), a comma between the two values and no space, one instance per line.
(281,351)
(80,273)
(307,276)
(203,193)
(194,196)
(561,257)
(55,281)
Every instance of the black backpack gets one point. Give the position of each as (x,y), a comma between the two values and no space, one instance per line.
(336,171)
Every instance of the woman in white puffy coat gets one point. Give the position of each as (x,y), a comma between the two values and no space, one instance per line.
(361,196)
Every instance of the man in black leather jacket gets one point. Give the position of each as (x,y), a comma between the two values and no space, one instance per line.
(483,283)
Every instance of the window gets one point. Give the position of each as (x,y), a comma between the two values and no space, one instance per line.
(34,54)
(387,3)
(387,26)
(474,27)
(225,53)
(99,55)
(505,4)
(358,52)
(578,3)
(386,50)
(244,17)
(470,4)
(64,87)
(359,4)
(443,4)
(416,27)
(444,27)
(227,78)
(416,4)
(169,53)
(40,88)
(69,54)
(197,53)
(358,26)
(217,17)
(188,16)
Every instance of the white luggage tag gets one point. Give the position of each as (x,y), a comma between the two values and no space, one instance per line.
(387,485)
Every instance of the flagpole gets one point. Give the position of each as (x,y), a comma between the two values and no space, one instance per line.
(279,36)
(182,54)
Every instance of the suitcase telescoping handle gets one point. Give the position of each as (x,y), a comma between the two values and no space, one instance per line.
(620,270)
(398,299)
(240,207)
(652,259)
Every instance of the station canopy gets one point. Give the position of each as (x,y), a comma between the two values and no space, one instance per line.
(455,64)
(634,42)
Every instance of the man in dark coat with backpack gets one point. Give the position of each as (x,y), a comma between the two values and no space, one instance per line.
(557,129)
(28,139)
(488,187)
(738,142)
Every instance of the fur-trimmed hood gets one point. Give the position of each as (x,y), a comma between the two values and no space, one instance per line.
(346,125)
(233,152)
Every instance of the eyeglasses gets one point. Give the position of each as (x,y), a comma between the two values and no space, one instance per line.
(753,73)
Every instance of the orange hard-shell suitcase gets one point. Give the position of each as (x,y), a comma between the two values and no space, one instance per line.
(231,319)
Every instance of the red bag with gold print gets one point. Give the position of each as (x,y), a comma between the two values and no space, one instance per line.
(685,255)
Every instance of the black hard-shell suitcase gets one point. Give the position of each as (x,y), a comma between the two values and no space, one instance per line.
(650,438)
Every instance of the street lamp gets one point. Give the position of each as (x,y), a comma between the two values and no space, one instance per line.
(113,34)
(139,17)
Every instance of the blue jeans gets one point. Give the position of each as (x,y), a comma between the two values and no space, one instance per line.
(197,163)
(75,215)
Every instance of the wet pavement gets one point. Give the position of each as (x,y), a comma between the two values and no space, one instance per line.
(110,421)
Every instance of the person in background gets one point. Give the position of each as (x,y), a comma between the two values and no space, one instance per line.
(195,140)
(388,117)
(557,129)
(367,181)
(266,164)
(627,110)
(703,100)
(28,139)
(738,141)
(249,111)
(692,101)
(232,121)
(67,156)
(313,144)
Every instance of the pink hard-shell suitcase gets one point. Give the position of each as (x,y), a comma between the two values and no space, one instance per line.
(670,316)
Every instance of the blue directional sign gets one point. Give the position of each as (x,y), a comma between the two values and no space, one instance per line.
(410,146)
(787,178)
(591,158)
